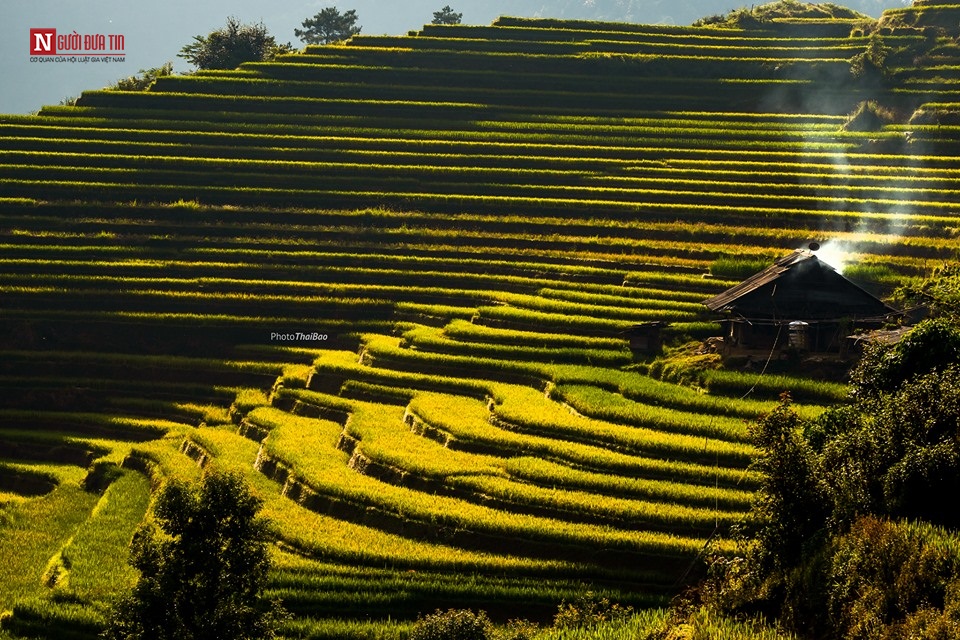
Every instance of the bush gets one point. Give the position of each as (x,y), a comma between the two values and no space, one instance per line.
(884,575)
(588,610)
(454,624)
(144,79)
(868,116)
(821,555)
(871,64)
(685,364)
(932,344)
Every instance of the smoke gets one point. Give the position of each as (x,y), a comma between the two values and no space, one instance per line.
(861,176)
(834,254)
(865,185)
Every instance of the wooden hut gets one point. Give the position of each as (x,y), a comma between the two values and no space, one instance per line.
(646,338)
(800,302)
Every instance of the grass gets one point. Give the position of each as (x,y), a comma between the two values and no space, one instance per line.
(34,531)
(93,563)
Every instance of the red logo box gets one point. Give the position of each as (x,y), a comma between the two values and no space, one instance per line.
(43,42)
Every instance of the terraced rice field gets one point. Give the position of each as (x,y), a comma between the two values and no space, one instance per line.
(387,282)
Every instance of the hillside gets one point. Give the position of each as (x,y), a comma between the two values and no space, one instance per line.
(387,281)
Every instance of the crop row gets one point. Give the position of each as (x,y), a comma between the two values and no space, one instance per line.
(109,118)
(644,389)
(180,302)
(425,339)
(501,141)
(550,463)
(428,68)
(312,535)
(736,52)
(326,559)
(631,385)
(149,121)
(721,95)
(317,588)
(545,29)
(680,264)
(465,423)
(384,441)
(628,168)
(361,175)
(500,87)
(597,403)
(86,183)
(526,408)
(826,154)
(324,470)
(218,229)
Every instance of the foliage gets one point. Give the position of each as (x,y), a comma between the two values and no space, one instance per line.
(327,26)
(940,292)
(868,116)
(231,46)
(446,15)
(453,624)
(891,580)
(820,551)
(871,64)
(902,456)
(202,573)
(757,15)
(685,364)
(144,80)
(589,610)
(932,344)
(789,509)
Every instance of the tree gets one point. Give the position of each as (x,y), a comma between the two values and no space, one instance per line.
(834,547)
(870,64)
(446,16)
(328,26)
(231,46)
(202,573)
(790,507)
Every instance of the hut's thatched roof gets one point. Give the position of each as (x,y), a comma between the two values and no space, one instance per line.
(798,287)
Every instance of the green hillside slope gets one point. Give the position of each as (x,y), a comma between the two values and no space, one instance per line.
(387,281)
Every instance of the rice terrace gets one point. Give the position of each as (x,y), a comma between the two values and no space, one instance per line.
(439,300)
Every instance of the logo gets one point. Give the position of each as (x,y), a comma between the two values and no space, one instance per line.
(43,42)
(46,45)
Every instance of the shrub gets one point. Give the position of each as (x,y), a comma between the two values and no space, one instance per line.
(588,610)
(932,344)
(685,364)
(144,79)
(518,630)
(868,116)
(871,64)
(453,624)
(885,575)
